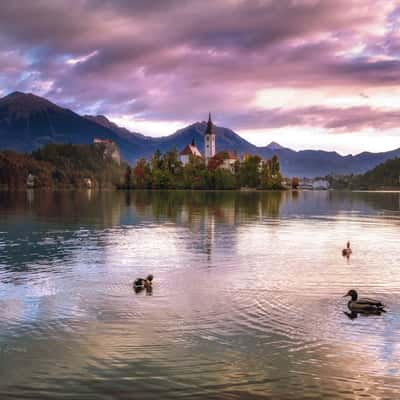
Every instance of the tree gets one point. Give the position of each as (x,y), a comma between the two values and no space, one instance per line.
(142,174)
(249,171)
(224,179)
(276,173)
(194,174)
(128,176)
(295,182)
(156,160)
(266,175)
(170,161)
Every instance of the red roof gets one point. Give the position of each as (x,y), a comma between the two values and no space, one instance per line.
(225,155)
(190,150)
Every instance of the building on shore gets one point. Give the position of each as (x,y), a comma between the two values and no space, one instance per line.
(320,184)
(313,184)
(306,184)
(30,181)
(110,149)
(225,160)
(229,162)
(189,151)
(88,183)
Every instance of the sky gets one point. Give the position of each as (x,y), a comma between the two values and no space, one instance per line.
(304,73)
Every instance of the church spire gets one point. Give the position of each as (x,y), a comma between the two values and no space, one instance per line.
(209,140)
(209,129)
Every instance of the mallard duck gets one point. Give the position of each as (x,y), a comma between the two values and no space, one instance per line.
(363,305)
(143,283)
(347,251)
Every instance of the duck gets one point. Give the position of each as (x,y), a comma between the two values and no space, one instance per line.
(143,283)
(364,305)
(347,250)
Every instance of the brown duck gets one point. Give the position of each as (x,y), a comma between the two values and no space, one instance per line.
(364,305)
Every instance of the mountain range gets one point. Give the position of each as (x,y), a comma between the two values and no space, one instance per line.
(28,121)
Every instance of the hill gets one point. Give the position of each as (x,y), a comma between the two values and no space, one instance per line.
(60,166)
(384,176)
(28,122)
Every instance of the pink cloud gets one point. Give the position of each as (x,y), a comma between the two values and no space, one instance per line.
(176,60)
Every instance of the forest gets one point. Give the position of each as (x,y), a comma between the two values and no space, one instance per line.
(384,176)
(165,171)
(71,166)
(61,166)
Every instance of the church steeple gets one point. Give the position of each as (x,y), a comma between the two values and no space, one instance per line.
(209,139)
(209,129)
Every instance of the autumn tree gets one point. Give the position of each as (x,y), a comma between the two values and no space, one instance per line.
(249,171)
(142,174)
(128,176)
(295,182)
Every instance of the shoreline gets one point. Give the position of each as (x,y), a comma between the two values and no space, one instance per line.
(242,190)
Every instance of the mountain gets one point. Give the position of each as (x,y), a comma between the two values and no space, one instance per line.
(104,121)
(275,146)
(224,139)
(384,176)
(28,122)
(320,163)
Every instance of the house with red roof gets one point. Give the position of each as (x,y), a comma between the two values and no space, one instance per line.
(189,151)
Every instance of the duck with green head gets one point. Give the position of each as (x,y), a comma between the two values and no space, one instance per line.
(364,305)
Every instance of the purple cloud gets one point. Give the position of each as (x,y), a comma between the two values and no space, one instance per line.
(172,60)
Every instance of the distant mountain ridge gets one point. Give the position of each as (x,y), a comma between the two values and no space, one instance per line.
(28,122)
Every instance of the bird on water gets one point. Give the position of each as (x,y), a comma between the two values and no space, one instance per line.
(143,283)
(364,305)
(347,250)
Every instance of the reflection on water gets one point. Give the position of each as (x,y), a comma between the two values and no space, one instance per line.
(246,301)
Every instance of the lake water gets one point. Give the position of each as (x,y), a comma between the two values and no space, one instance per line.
(246,302)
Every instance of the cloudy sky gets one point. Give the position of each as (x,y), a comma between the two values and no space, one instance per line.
(305,73)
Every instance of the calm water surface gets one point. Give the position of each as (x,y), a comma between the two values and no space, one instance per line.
(247,299)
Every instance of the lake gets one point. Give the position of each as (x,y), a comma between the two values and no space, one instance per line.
(246,301)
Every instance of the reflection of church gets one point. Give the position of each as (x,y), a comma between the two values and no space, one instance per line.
(209,233)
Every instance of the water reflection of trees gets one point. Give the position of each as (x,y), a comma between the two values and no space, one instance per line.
(38,229)
(101,209)
(389,201)
(186,206)
(85,207)
(30,218)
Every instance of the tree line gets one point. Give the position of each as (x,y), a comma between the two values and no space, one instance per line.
(70,166)
(165,171)
(61,166)
(384,175)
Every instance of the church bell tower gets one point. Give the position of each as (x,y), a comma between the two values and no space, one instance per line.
(209,140)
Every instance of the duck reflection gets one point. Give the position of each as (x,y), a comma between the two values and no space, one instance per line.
(354,314)
(147,290)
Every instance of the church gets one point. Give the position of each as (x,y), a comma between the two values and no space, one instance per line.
(228,159)
(209,146)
